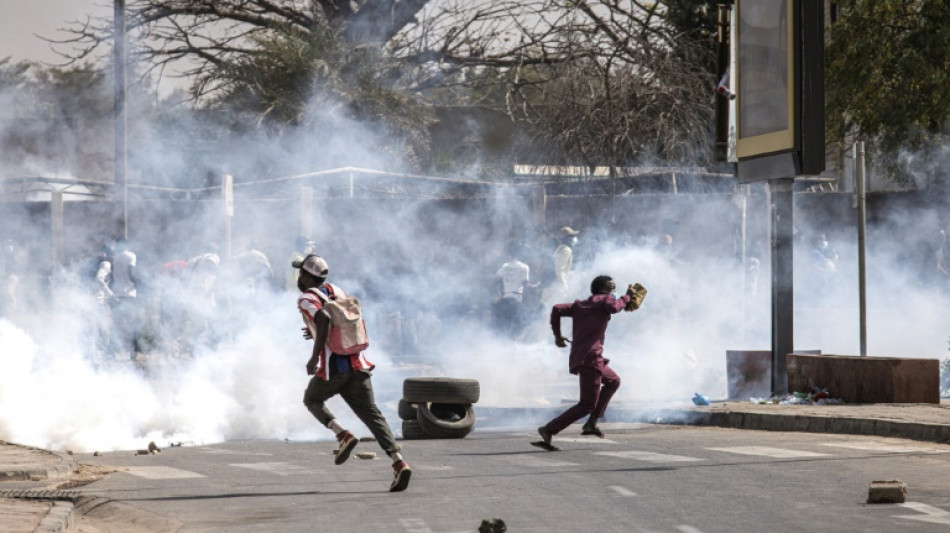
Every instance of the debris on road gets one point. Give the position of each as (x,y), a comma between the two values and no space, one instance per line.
(817,396)
(893,491)
(366,455)
(492,525)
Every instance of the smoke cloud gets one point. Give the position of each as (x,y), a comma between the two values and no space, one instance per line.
(424,266)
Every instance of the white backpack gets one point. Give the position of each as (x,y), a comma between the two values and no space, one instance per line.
(347,327)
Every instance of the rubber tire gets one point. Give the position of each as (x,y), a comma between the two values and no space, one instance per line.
(411,430)
(440,390)
(445,429)
(406,410)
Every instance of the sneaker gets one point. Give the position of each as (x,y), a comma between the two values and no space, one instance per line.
(401,478)
(347,443)
(592,430)
(546,434)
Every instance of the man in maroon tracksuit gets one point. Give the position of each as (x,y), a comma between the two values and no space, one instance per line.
(598,382)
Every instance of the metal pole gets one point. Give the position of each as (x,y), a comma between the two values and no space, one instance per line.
(119,60)
(306,210)
(860,185)
(56,221)
(744,192)
(721,150)
(780,207)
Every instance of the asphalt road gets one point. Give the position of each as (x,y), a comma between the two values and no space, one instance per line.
(641,478)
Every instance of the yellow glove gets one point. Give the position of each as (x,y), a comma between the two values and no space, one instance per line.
(637,293)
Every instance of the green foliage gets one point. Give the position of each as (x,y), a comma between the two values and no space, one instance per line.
(888,74)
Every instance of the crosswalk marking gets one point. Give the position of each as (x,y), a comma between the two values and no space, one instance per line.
(279,469)
(585,440)
(888,447)
(537,462)
(161,472)
(223,451)
(688,529)
(765,451)
(414,525)
(649,456)
(932,515)
(623,491)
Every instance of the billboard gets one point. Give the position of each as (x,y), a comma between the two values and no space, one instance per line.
(779,47)
(766,77)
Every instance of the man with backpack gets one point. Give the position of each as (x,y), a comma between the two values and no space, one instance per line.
(333,320)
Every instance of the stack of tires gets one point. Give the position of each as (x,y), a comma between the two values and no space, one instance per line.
(438,408)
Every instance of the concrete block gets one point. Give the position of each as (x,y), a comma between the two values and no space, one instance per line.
(893,491)
(857,379)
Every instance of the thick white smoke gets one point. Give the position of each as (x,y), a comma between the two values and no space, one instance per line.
(425,272)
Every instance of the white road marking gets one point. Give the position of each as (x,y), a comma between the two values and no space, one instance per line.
(222,451)
(765,451)
(161,472)
(888,447)
(414,525)
(688,529)
(537,462)
(585,440)
(433,468)
(623,491)
(279,469)
(930,514)
(649,456)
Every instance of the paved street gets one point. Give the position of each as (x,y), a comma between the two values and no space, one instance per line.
(642,478)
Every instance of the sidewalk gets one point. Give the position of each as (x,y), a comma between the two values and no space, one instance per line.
(31,503)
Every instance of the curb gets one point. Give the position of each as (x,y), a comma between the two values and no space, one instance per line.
(58,519)
(67,465)
(939,433)
(497,417)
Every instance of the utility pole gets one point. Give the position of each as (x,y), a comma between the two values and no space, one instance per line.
(860,186)
(118,66)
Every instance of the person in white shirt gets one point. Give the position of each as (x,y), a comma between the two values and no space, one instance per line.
(123,272)
(126,315)
(509,312)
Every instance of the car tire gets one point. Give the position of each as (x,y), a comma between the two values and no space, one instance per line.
(407,410)
(446,429)
(440,390)
(411,430)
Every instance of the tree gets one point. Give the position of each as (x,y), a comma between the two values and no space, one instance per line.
(378,60)
(888,78)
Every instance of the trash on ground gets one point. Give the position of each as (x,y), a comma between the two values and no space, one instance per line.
(817,396)
(366,455)
(700,399)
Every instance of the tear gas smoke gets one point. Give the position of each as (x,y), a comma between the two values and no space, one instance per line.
(424,270)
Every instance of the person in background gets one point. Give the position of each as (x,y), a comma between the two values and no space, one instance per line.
(126,314)
(563,264)
(346,375)
(824,259)
(508,312)
(9,278)
(303,246)
(253,269)
(598,382)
